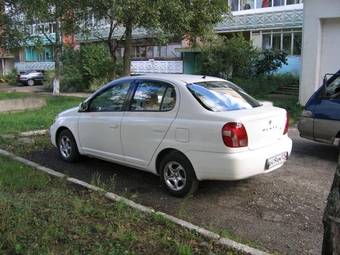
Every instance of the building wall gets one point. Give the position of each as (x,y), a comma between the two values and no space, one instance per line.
(321,41)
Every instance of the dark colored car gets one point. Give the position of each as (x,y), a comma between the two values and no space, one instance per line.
(320,120)
(31,78)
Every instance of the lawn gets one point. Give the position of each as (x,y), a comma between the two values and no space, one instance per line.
(13,95)
(40,214)
(34,119)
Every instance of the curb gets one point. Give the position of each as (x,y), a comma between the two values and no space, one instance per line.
(34,133)
(114,197)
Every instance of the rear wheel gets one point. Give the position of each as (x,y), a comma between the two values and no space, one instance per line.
(67,146)
(177,175)
(30,82)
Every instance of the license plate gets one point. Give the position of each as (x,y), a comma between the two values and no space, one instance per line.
(276,160)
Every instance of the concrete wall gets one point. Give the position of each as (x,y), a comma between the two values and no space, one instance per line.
(293,66)
(321,42)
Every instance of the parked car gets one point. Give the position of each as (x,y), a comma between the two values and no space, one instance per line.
(184,128)
(320,119)
(31,78)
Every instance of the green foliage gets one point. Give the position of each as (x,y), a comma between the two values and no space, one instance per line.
(237,57)
(166,19)
(95,62)
(269,61)
(97,83)
(36,119)
(265,84)
(88,68)
(42,215)
(11,77)
(48,80)
(228,57)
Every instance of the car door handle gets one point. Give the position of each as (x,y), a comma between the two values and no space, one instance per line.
(115,126)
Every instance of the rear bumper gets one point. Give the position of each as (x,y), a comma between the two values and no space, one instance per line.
(237,166)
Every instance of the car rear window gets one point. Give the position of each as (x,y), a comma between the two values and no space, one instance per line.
(221,96)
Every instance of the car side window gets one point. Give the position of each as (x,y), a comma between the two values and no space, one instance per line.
(111,100)
(169,99)
(333,89)
(153,96)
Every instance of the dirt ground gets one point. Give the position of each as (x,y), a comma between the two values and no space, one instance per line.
(281,211)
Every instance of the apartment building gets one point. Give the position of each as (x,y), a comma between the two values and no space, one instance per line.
(275,24)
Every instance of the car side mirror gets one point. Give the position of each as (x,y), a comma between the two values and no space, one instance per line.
(83,107)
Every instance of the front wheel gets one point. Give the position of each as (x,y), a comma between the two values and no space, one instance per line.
(67,146)
(30,82)
(177,175)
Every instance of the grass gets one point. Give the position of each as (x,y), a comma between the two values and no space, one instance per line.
(35,119)
(13,95)
(43,215)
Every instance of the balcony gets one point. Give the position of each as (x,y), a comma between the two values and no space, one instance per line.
(276,17)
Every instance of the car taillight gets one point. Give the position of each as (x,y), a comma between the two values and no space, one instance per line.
(234,135)
(285,131)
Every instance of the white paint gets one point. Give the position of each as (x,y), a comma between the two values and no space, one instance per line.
(239,247)
(321,40)
(34,133)
(144,135)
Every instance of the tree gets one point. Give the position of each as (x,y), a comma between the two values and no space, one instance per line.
(228,58)
(11,33)
(161,18)
(65,17)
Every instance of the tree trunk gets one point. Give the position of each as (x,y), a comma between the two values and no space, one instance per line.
(112,47)
(331,219)
(127,48)
(57,58)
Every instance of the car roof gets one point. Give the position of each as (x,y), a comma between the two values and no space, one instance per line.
(186,78)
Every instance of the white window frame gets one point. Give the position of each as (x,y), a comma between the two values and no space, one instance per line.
(281,32)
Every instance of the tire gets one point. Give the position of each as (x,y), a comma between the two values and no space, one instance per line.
(30,82)
(67,146)
(177,175)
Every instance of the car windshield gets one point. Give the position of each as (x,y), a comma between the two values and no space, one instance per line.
(221,96)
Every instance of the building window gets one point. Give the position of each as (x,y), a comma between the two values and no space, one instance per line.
(278,2)
(297,38)
(141,52)
(276,41)
(266,41)
(247,4)
(287,41)
(294,2)
(239,5)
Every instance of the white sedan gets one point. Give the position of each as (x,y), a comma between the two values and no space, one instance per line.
(184,128)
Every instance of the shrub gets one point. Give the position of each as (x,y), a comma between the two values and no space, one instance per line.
(269,61)
(95,62)
(237,57)
(48,80)
(97,83)
(87,68)
(228,57)
(263,85)
(11,77)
